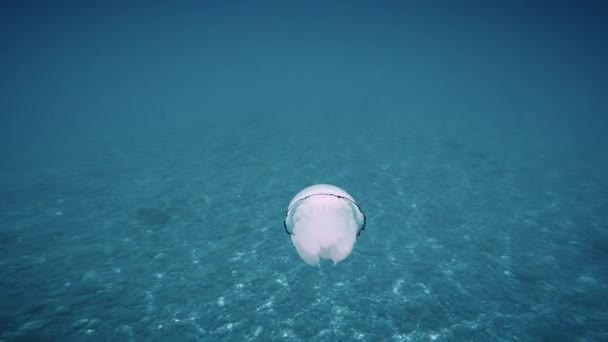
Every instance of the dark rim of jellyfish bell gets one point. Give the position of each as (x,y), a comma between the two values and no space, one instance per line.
(324,194)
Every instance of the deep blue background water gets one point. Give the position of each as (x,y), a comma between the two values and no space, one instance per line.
(148,153)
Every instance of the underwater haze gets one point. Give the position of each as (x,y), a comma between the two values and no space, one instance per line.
(149,152)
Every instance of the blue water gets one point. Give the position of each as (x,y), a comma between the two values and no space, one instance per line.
(148,153)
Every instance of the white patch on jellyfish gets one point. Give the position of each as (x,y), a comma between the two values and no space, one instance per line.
(323,225)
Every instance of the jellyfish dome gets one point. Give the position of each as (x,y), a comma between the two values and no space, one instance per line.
(323,222)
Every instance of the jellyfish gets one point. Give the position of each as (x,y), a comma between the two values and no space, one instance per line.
(323,222)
